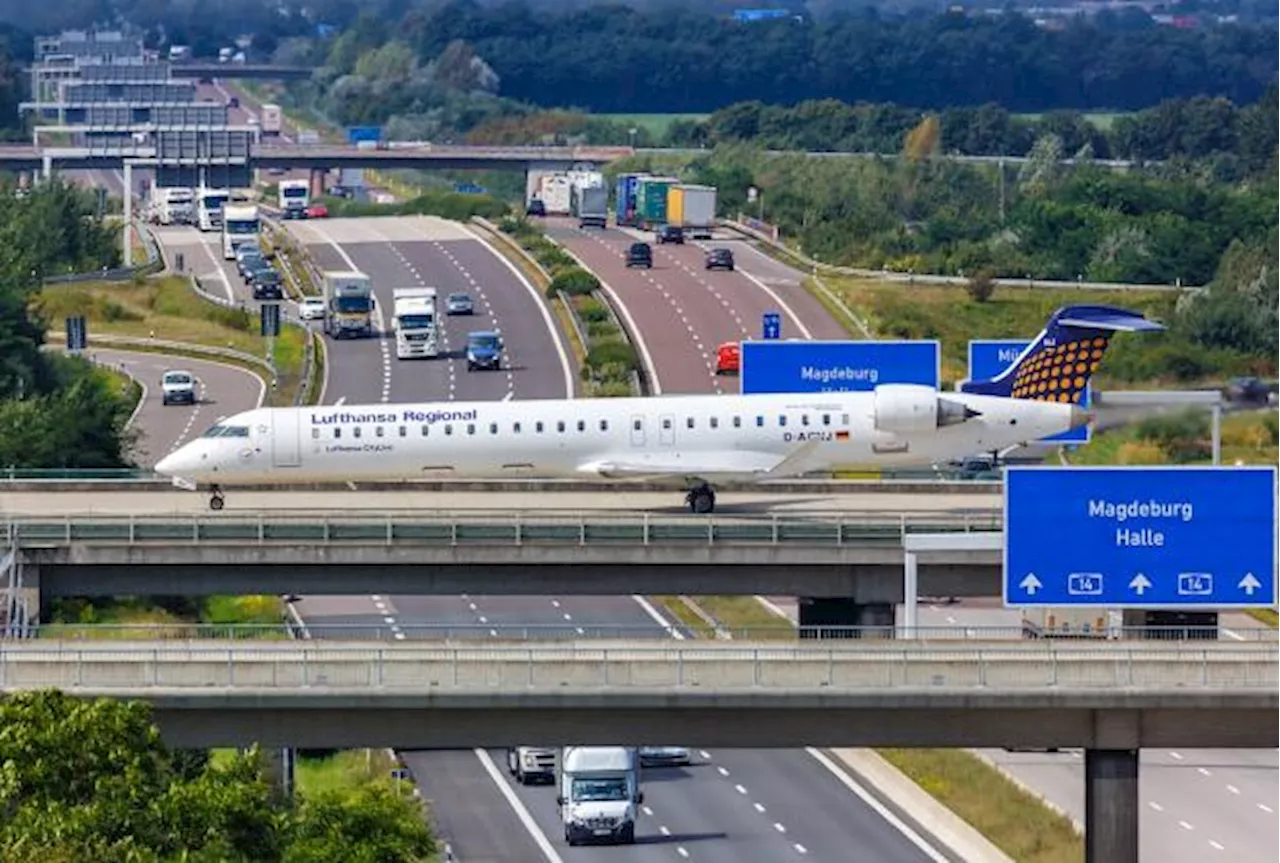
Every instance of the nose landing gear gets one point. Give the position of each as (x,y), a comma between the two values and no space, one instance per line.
(215,499)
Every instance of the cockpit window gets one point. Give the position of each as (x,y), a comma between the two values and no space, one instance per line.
(227,431)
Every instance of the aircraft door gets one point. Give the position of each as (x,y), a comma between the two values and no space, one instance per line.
(285,443)
(667,430)
(637,430)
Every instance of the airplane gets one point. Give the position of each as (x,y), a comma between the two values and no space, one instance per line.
(693,439)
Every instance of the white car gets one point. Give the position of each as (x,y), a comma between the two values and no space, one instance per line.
(311,309)
(178,387)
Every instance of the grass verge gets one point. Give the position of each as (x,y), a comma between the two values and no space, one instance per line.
(1013,820)
(684,615)
(166,308)
(1267,616)
(133,617)
(895,310)
(1248,438)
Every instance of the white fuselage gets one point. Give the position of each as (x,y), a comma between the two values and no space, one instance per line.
(726,437)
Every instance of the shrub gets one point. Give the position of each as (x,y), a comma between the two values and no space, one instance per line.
(981,286)
(601,331)
(574,281)
(612,352)
(590,310)
(1182,435)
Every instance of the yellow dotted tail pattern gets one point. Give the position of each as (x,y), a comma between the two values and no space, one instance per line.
(1059,373)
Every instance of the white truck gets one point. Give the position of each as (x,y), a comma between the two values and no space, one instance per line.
(553,189)
(240,224)
(1090,623)
(294,197)
(171,206)
(598,792)
(415,323)
(209,204)
(348,302)
(272,120)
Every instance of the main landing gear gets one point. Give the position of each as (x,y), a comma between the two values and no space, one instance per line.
(215,499)
(701,499)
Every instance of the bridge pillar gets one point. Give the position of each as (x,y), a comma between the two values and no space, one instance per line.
(24,179)
(278,766)
(318,176)
(1111,805)
(128,214)
(841,614)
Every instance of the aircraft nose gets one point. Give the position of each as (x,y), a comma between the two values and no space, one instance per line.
(170,464)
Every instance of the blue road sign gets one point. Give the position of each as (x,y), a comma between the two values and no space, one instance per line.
(1140,537)
(77,333)
(811,367)
(989,357)
(772,325)
(269,322)
(356,134)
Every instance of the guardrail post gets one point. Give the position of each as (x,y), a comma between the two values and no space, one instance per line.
(133,534)
(605,677)
(1204,667)
(755,667)
(453,532)
(582,529)
(679,667)
(306,668)
(155,667)
(529,678)
(646,528)
(390,531)
(773,526)
(519,530)
(231,668)
(982,668)
(325,535)
(195,530)
(382,666)
(262,530)
(79,668)
(711,530)
(455,667)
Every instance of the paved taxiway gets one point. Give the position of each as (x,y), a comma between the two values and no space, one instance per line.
(221,390)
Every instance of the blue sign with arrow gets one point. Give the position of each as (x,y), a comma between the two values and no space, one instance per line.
(1140,537)
(772,325)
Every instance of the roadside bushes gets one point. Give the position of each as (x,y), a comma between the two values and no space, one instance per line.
(573,281)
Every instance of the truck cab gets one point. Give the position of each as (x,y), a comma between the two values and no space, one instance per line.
(415,323)
(597,793)
(349,304)
(529,764)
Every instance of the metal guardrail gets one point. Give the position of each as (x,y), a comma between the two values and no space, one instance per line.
(811,265)
(533,632)
(153,264)
(497,527)
(155,345)
(724,667)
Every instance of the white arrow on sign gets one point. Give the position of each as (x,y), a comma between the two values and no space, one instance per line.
(1140,584)
(1030,584)
(1249,583)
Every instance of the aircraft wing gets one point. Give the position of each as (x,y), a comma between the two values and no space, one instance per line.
(723,464)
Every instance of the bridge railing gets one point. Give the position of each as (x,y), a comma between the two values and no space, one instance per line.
(724,667)
(495,527)
(574,632)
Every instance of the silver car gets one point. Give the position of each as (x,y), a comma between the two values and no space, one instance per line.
(664,756)
(178,387)
(459,304)
(311,309)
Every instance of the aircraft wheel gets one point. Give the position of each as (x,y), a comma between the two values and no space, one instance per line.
(702,500)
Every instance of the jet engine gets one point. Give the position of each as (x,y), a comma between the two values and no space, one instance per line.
(912,409)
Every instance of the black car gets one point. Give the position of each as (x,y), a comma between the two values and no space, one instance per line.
(670,234)
(536,208)
(1248,390)
(640,255)
(267,285)
(719,259)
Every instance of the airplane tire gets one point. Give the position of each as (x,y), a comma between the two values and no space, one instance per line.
(702,500)
(216,503)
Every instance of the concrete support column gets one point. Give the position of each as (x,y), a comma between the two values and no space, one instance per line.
(24,179)
(1217,433)
(317,181)
(278,766)
(46,167)
(1111,805)
(840,614)
(128,214)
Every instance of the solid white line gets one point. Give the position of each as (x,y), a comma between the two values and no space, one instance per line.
(539,839)
(658,618)
(552,329)
(217,266)
(865,796)
(772,608)
(1229,633)
(804,331)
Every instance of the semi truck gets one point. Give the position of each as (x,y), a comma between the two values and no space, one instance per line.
(626,209)
(591,205)
(272,120)
(294,198)
(171,206)
(597,793)
(651,200)
(692,208)
(348,304)
(528,764)
(554,192)
(415,323)
(209,204)
(240,224)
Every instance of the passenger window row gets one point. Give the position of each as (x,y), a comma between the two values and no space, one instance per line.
(561,426)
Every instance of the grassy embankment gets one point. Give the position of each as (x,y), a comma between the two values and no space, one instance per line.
(165,308)
(1013,820)
(655,124)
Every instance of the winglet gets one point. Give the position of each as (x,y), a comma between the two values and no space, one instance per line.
(1057,365)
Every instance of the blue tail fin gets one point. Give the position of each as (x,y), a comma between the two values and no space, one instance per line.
(1057,365)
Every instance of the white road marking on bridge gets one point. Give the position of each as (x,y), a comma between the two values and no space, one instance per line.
(779,827)
(759,807)
(664,831)
(1265,808)
(1233,789)
(1185,826)
(723,771)
(1156,806)
(681,851)
(705,754)
(800,849)
(1203,772)
(1177,756)
(739,789)
(1216,846)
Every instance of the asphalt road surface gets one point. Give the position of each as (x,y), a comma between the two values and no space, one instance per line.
(221,391)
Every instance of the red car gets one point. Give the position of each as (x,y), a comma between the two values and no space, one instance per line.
(728,359)
(317,211)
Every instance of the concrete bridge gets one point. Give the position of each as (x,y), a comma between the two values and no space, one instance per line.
(857,555)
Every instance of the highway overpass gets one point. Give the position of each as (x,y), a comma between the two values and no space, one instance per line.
(239,71)
(851,554)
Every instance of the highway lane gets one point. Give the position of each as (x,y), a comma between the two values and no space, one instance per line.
(222,390)
(202,256)
(468,807)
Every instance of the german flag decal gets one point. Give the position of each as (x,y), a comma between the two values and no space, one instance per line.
(842,435)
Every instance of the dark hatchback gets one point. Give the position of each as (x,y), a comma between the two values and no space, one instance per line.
(640,255)
(719,259)
(267,285)
(670,234)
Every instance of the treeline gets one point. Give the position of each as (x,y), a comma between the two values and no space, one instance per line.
(55,411)
(91,780)
(1043,219)
(679,59)
(1241,139)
